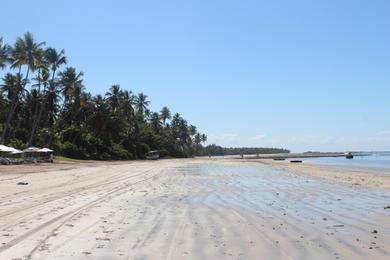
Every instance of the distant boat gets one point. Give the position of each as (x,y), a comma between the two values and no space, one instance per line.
(349,155)
(152,155)
(296,161)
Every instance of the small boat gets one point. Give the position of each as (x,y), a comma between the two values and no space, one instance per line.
(152,155)
(279,159)
(296,161)
(349,155)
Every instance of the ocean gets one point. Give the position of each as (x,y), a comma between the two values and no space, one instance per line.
(363,159)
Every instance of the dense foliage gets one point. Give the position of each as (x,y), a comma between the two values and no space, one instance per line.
(44,103)
(215,150)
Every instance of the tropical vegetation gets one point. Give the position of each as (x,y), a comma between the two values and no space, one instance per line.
(216,150)
(45,103)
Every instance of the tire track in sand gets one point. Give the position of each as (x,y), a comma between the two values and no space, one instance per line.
(69,215)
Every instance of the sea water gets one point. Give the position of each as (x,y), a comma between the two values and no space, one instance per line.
(366,159)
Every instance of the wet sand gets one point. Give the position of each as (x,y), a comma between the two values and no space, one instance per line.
(190,209)
(374,177)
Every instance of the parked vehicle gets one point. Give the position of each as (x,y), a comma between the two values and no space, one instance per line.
(152,155)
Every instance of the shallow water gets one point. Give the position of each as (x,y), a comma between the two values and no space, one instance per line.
(274,193)
(374,162)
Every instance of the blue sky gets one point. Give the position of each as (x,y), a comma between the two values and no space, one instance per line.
(304,75)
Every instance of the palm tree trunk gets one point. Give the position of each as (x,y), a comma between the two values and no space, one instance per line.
(35,111)
(36,122)
(14,106)
(35,126)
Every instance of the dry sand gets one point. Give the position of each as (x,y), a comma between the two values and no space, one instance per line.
(189,209)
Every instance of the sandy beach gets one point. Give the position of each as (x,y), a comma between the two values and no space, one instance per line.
(193,209)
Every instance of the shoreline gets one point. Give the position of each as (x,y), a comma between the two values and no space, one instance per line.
(355,176)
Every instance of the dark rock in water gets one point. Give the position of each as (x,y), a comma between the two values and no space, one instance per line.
(338,225)
(22,183)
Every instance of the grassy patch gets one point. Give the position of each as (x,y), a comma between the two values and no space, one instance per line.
(66,159)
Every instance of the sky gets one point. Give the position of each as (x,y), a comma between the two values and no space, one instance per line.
(303,75)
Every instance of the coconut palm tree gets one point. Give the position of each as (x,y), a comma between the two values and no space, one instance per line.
(127,104)
(113,97)
(42,66)
(55,59)
(192,130)
(71,84)
(100,115)
(77,97)
(42,79)
(203,138)
(10,86)
(165,114)
(68,80)
(197,139)
(142,104)
(25,52)
(52,59)
(52,98)
(155,122)
(4,54)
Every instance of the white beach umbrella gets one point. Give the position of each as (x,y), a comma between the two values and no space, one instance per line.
(45,150)
(16,151)
(4,148)
(31,149)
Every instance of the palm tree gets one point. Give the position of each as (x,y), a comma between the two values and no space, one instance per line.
(10,85)
(203,138)
(52,59)
(197,139)
(113,97)
(77,96)
(117,125)
(42,79)
(55,59)
(52,98)
(4,54)
(155,122)
(142,104)
(70,82)
(100,115)
(192,130)
(127,102)
(165,114)
(26,52)
(183,131)
(69,79)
